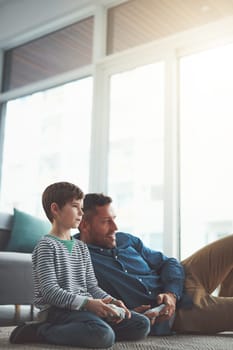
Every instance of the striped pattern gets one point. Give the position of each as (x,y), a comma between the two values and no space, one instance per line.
(61,278)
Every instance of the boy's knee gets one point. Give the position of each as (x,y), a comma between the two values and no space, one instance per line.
(103,337)
(143,327)
(138,327)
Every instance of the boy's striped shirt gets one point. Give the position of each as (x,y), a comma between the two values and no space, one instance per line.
(63,278)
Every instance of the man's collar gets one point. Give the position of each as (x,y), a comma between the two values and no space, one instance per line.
(107,251)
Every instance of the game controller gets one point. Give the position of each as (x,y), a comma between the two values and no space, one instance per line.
(120,313)
(155,309)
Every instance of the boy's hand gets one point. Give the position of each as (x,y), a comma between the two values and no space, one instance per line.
(100,308)
(121,304)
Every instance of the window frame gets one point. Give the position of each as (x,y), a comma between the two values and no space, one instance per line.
(169,49)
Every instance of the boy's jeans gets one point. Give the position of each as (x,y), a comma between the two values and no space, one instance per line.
(85,329)
(207,269)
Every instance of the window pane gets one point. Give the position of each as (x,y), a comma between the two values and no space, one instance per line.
(137,22)
(53,54)
(136,151)
(206,147)
(47,139)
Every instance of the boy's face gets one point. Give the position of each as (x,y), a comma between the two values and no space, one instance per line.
(70,215)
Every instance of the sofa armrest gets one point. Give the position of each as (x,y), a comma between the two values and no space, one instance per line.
(6,221)
(16,282)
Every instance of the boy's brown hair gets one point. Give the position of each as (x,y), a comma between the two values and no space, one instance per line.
(59,193)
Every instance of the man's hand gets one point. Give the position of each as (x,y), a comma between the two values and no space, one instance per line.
(169,300)
(145,309)
(142,308)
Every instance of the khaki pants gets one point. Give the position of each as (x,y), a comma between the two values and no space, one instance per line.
(207,269)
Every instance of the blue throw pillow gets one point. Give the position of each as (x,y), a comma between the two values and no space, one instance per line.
(26,232)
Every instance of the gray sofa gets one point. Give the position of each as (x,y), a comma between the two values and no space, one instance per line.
(16,284)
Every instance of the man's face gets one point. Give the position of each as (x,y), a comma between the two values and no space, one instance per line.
(102,227)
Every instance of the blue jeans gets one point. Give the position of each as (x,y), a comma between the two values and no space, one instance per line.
(85,329)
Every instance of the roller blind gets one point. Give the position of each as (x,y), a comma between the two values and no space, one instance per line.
(50,55)
(137,22)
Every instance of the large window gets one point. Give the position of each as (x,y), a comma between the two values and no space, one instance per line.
(206,147)
(135,142)
(135,179)
(47,139)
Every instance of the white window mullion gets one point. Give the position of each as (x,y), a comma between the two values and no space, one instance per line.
(1,68)
(99,38)
(2,115)
(100,122)
(171,178)
(100,131)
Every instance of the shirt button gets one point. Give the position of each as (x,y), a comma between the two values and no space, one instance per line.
(116,257)
(149,292)
(101,249)
(140,279)
(126,270)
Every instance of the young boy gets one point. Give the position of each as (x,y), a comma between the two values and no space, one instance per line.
(74,311)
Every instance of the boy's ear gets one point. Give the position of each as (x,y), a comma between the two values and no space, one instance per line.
(54,208)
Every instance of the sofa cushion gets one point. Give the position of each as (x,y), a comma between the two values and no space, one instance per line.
(26,232)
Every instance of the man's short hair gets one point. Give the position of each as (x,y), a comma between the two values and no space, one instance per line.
(93,200)
(59,193)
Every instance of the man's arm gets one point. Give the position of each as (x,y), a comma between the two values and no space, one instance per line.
(170,270)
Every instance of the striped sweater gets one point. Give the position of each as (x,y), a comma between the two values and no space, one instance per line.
(62,278)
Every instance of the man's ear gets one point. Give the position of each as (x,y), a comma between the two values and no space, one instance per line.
(84,226)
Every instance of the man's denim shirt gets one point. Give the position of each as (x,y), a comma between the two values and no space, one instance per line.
(136,274)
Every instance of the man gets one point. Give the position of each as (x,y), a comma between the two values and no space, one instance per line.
(143,278)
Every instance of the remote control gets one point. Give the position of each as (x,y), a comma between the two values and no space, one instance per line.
(155,309)
(120,312)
